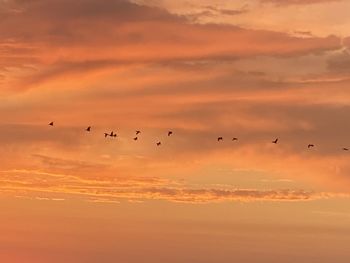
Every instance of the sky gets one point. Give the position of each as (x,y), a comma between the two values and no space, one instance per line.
(255,70)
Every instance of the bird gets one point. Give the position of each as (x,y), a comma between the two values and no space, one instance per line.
(88,129)
(275,141)
(106,134)
(220,139)
(159,143)
(135,139)
(310,146)
(345,149)
(113,134)
(170,133)
(138,132)
(51,123)
(234,139)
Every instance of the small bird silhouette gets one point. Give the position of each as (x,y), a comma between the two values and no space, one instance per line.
(51,123)
(345,149)
(234,139)
(275,141)
(310,146)
(138,132)
(106,134)
(135,139)
(88,128)
(159,143)
(220,139)
(170,133)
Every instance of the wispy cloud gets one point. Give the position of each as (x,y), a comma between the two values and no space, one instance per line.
(298,2)
(36,184)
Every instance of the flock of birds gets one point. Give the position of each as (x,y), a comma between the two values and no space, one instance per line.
(114,135)
(170,133)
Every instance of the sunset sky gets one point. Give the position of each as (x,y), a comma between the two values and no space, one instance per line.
(255,69)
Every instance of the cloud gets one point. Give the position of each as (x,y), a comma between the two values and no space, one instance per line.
(29,133)
(121,66)
(63,164)
(230,12)
(212,11)
(340,62)
(245,195)
(88,35)
(51,186)
(298,2)
(200,102)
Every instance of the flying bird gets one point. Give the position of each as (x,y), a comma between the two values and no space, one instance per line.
(88,128)
(135,139)
(170,133)
(345,149)
(138,132)
(51,123)
(234,139)
(220,139)
(310,146)
(159,143)
(106,134)
(275,141)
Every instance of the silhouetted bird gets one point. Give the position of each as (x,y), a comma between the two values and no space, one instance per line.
(345,149)
(135,139)
(220,139)
(106,134)
(88,128)
(51,123)
(310,146)
(234,139)
(159,143)
(275,141)
(170,133)
(138,132)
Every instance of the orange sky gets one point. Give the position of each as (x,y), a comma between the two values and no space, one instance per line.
(256,70)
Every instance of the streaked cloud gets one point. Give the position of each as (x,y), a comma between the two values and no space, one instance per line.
(298,2)
(50,186)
